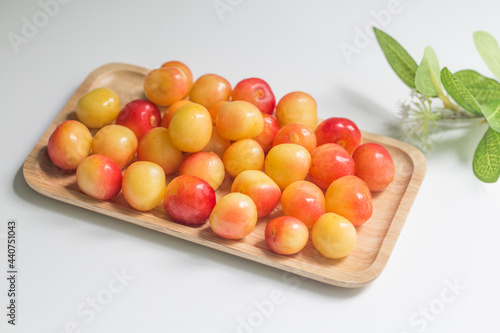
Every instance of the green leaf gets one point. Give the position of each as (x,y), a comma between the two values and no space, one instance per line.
(459,92)
(489,50)
(483,89)
(486,162)
(427,78)
(491,112)
(401,62)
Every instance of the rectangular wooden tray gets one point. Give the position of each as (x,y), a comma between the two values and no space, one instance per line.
(376,238)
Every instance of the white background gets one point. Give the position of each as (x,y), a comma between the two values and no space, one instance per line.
(68,256)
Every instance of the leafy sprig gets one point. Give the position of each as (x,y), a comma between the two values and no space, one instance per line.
(465,95)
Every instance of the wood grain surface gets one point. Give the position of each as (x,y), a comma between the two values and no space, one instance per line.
(376,238)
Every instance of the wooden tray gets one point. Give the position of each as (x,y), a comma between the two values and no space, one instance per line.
(376,238)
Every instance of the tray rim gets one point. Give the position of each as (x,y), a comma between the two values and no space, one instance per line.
(353,279)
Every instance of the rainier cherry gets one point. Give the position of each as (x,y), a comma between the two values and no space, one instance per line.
(257,92)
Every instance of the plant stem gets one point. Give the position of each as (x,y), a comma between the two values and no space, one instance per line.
(460,115)
(448,104)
